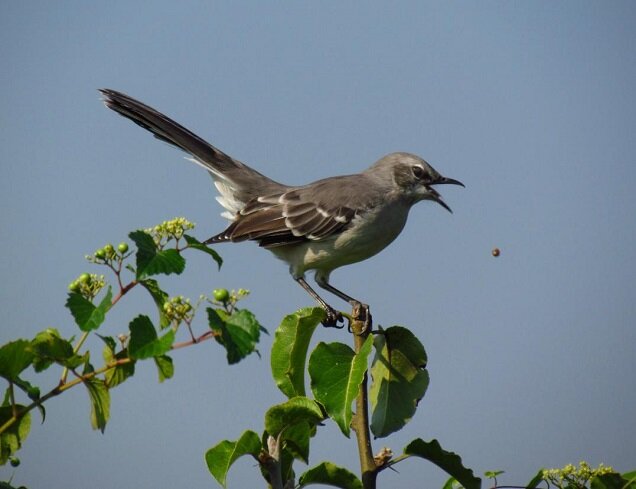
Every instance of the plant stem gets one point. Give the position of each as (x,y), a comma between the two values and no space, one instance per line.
(270,462)
(205,336)
(79,344)
(14,409)
(122,292)
(273,468)
(360,423)
(64,385)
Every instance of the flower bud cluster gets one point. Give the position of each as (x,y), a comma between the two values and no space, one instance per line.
(225,298)
(240,294)
(178,309)
(167,230)
(88,285)
(571,477)
(109,253)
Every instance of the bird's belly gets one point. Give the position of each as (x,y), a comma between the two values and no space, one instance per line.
(366,237)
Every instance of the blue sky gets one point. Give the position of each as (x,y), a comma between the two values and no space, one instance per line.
(531,105)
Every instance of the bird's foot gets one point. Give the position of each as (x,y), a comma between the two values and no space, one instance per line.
(333,318)
(361,313)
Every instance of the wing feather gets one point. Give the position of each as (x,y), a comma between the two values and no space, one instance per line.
(312,213)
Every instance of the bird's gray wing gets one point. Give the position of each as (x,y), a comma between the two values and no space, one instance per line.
(311,213)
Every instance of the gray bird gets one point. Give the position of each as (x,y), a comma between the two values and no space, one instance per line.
(320,226)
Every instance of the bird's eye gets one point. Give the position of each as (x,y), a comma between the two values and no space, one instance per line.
(420,173)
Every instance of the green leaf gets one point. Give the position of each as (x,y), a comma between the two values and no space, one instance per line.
(220,457)
(238,332)
(88,316)
(12,439)
(100,403)
(536,480)
(289,350)
(399,380)
(297,440)
(88,367)
(613,480)
(295,410)
(159,297)
(331,475)
(15,357)
(32,391)
(144,342)
(491,474)
(153,261)
(165,367)
(451,483)
(336,373)
(197,245)
(48,347)
(630,478)
(119,373)
(109,341)
(287,465)
(448,461)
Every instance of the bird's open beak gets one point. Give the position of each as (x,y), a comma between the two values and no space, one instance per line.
(437,197)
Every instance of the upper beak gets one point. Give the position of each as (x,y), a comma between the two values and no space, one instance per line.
(436,195)
(451,181)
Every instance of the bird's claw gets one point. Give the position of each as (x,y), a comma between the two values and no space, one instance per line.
(361,312)
(333,318)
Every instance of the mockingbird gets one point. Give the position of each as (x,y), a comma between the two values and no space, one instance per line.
(320,226)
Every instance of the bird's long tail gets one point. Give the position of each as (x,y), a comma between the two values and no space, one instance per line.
(237,182)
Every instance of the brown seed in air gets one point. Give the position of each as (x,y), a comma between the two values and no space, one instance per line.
(496,252)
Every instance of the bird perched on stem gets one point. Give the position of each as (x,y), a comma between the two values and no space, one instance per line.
(320,226)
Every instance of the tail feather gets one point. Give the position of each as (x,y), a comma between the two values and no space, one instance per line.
(237,182)
(165,129)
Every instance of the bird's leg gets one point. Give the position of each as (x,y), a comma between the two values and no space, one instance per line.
(360,309)
(333,317)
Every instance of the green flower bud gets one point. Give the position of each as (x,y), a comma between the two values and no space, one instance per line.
(221,295)
(122,247)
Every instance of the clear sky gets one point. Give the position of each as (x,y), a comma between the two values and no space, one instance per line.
(531,104)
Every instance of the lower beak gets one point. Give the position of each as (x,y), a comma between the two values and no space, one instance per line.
(438,198)
(444,181)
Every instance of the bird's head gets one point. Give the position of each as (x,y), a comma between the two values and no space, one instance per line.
(412,177)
